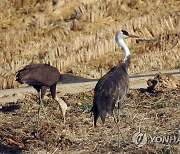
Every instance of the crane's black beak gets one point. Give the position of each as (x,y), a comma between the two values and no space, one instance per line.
(146,41)
(133,36)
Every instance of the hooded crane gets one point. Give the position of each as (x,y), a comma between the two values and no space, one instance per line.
(41,77)
(113,86)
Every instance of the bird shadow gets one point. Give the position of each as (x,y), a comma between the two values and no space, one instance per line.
(10,107)
(10,149)
(70,78)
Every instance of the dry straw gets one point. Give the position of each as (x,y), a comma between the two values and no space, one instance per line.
(79,32)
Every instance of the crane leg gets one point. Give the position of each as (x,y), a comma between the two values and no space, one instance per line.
(114,116)
(118,124)
(118,120)
(41,105)
(39,113)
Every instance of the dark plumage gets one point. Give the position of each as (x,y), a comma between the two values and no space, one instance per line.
(111,88)
(41,77)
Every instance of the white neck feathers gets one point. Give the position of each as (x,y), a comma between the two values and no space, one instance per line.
(123,45)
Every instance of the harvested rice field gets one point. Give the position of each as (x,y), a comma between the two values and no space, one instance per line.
(152,114)
(77,37)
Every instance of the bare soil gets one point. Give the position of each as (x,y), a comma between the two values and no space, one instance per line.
(152,111)
(78,36)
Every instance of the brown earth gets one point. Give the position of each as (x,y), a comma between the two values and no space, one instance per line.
(155,112)
(78,36)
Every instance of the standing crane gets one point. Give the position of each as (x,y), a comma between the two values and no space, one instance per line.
(41,77)
(113,86)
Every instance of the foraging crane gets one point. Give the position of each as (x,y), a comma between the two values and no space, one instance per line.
(42,76)
(113,86)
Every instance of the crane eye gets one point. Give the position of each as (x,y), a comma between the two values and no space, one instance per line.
(125,32)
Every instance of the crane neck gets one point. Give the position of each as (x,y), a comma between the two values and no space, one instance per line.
(124,47)
(63,106)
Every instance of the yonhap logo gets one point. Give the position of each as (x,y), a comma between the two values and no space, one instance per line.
(140,139)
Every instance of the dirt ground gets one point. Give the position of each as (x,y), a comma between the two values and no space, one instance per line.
(153,111)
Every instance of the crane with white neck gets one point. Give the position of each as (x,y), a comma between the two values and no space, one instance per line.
(113,86)
(42,77)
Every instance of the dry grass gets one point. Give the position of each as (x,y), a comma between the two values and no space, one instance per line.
(78,32)
(153,113)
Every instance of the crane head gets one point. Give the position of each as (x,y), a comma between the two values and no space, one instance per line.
(124,34)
